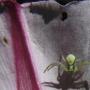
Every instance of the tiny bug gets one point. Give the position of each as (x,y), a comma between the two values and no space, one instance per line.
(4,41)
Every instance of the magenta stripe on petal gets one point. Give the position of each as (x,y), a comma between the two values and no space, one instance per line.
(26,79)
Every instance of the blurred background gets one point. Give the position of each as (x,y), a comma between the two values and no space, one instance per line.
(63,2)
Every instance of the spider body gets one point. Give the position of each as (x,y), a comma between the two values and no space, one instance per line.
(69,78)
(64,78)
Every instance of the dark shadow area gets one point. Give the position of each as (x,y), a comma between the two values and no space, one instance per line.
(63,2)
(25,1)
(47,14)
(2,8)
(64,16)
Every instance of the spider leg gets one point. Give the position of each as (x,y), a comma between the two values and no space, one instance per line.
(51,84)
(59,76)
(82,84)
(78,75)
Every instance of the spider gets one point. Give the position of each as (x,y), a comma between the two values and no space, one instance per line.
(70,76)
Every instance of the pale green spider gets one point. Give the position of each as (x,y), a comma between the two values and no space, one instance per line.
(70,64)
(71,73)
